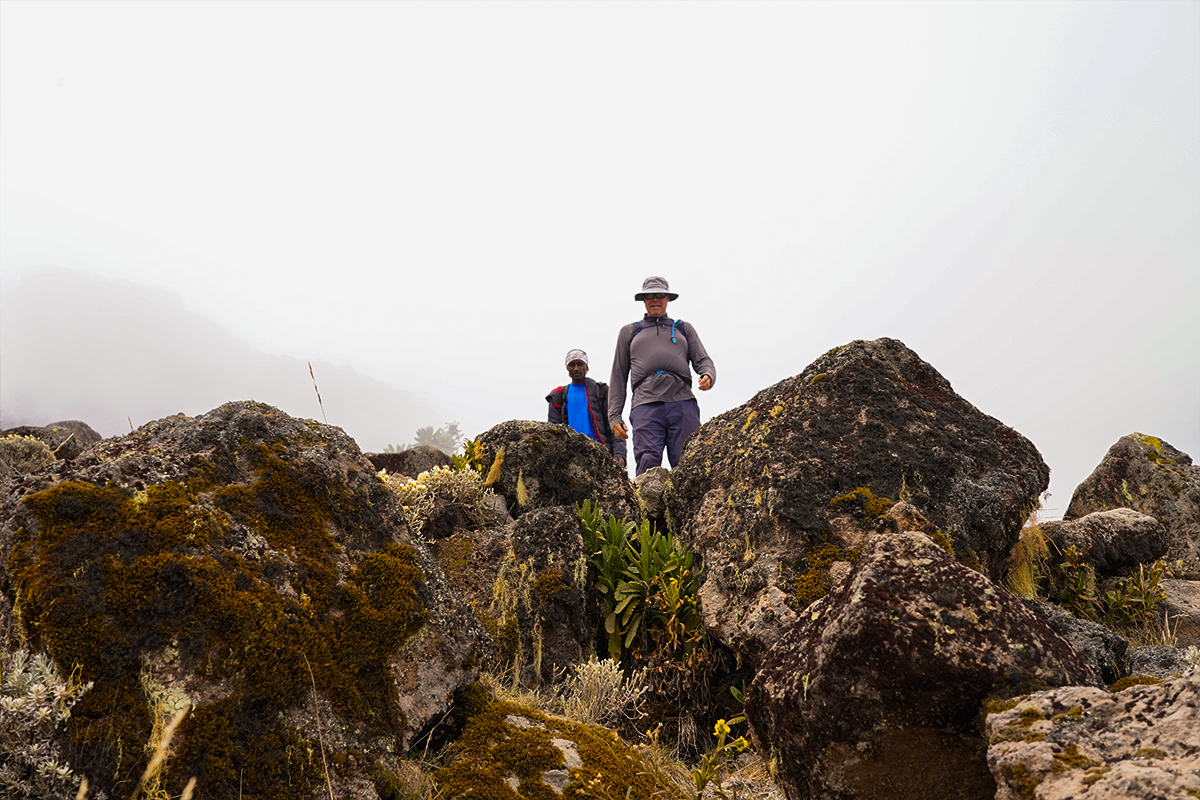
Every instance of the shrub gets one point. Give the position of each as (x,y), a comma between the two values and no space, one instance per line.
(35,703)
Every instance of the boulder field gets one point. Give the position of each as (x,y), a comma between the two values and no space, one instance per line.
(322,621)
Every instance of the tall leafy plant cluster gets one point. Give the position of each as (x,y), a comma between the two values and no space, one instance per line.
(646,583)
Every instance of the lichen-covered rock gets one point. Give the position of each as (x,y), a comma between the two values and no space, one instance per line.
(253,568)
(544,465)
(876,691)
(525,583)
(411,462)
(511,751)
(1080,742)
(1113,542)
(1182,609)
(774,492)
(1101,648)
(1148,475)
(1156,661)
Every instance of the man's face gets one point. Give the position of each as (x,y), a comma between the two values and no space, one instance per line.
(577,370)
(656,304)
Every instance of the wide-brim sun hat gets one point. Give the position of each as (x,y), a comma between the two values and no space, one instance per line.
(655,285)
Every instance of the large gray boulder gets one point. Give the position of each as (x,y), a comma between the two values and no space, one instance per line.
(777,491)
(250,567)
(1148,475)
(1080,742)
(876,692)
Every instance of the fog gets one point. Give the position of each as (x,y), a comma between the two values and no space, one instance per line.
(432,202)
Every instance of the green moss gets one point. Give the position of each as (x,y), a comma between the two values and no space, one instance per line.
(815,583)
(942,540)
(493,750)
(109,577)
(1150,752)
(865,500)
(1070,758)
(1133,680)
(820,376)
(1024,782)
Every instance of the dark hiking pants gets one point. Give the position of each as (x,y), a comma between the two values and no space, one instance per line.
(659,425)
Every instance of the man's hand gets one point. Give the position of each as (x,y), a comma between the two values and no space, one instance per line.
(705,383)
(620,431)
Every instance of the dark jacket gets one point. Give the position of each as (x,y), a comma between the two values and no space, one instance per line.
(597,397)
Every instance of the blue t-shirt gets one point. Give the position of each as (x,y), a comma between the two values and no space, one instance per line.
(577,409)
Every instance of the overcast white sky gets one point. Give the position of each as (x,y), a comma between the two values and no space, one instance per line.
(449,196)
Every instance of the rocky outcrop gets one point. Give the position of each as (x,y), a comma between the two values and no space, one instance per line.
(1101,648)
(512,751)
(525,581)
(1148,475)
(66,439)
(411,462)
(1140,744)
(877,690)
(543,465)
(776,491)
(253,568)
(1182,610)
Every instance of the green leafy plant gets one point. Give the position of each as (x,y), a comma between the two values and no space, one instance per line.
(646,583)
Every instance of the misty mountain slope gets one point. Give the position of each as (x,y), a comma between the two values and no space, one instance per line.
(77,346)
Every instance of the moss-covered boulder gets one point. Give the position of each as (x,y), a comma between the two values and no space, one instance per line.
(877,691)
(1148,475)
(247,566)
(512,752)
(779,492)
(539,465)
(1078,741)
(526,583)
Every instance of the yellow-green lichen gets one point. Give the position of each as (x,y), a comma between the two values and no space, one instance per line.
(864,499)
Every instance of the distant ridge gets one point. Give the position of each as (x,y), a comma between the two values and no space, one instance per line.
(74,345)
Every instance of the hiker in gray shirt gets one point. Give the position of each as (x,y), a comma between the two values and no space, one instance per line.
(655,353)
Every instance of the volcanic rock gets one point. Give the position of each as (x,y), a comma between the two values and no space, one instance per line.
(1077,741)
(543,465)
(775,491)
(1148,475)
(1182,610)
(523,582)
(876,691)
(1113,542)
(1156,661)
(250,567)
(411,462)
(1101,648)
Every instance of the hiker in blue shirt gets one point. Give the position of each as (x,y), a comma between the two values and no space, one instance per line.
(582,405)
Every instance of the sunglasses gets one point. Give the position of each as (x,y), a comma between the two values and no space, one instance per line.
(659,296)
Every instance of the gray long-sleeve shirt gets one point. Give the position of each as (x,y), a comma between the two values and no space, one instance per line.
(658,367)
